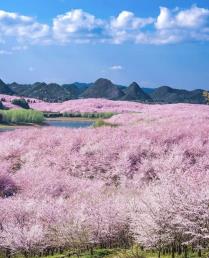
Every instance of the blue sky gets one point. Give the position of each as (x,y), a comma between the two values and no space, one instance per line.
(152,42)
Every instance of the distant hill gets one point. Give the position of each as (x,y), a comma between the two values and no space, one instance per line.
(49,92)
(76,88)
(166,94)
(73,90)
(103,88)
(83,86)
(19,89)
(5,89)
(148,90)
(135,93)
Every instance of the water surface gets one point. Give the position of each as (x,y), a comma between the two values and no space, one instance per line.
(70,124)
(55,123)
(6,129)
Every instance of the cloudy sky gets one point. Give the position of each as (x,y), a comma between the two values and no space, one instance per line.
(155,42)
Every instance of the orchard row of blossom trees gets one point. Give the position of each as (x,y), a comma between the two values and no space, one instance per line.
(145,181)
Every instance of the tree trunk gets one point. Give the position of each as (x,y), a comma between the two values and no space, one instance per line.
(159,253)
(91,250)
(185,252)
(199,253)
(173,252)
(26,254)
(179,250)
(61,250)
(8,253)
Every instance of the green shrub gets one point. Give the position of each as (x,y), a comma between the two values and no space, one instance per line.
(100,123)
(21,116)
(106,115)
(103,252)
(90,115)
(1,105)
(52,114)
(21,103)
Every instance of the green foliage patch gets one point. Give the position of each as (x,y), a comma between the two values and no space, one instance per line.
(21,103)
(101,123)
(92,115)
(21,116)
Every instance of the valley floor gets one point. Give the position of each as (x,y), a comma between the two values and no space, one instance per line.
(113,253)
(138,177)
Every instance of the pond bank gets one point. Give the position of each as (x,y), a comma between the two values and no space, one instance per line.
(11,127)
(66,122)
(70,123)
(75,119)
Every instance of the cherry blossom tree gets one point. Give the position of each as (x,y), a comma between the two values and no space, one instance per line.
(144,181)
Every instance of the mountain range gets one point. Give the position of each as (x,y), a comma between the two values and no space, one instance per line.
(102,88)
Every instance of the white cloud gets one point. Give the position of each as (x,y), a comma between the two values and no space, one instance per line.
(20,48)
(164,20)
(116,67)
(174,26)
(126,25)
(76,25)
(192,18)
(128,21)
(5,52)
(22,28)
(31,69)
(161,37)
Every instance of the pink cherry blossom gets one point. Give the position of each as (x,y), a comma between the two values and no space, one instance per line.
(144,181)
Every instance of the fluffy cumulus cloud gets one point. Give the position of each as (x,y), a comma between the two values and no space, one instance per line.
(126,25)
(171,26)
(128,21)
(179,25)
(78,26)
(116,67)
(22,28)
(192,18)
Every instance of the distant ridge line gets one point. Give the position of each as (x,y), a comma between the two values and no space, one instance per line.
(102,88)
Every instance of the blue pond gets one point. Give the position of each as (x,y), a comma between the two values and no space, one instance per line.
(56,123)
(6,129)
(70,124)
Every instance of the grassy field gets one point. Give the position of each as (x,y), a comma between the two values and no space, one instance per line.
(21,116)
(97,253)
(113,253)
(101,122)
